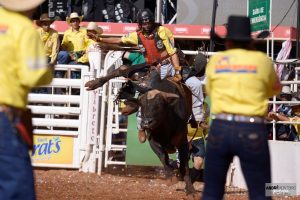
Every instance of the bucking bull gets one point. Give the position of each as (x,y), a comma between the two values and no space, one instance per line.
(165,110)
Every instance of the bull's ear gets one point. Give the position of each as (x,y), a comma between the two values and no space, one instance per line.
(171,98)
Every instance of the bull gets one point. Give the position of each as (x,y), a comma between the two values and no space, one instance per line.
(165,111)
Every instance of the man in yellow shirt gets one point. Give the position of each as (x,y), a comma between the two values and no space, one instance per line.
(240,81)
(23,66)
(74,44)
(49,37)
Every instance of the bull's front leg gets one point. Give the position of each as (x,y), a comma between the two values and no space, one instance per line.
(184,167)
(99,82)
(163,157)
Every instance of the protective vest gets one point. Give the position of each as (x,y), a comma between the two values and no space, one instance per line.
(153,48)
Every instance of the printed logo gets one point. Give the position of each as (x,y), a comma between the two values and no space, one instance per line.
(106,28)
(181,30)
(3,29)
(129,28)
(45,148)
(224,66)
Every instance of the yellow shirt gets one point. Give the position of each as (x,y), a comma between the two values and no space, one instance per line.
(23,61)
(240,82)
(297,126)
(200,132)
(164,33)
(74,41)
(51,43)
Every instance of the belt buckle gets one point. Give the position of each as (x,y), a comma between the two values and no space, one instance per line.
(252,119)
(229,117)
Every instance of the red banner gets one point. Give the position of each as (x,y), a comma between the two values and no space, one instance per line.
(179,30)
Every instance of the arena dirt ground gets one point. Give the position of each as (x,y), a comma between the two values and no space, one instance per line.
(132,183)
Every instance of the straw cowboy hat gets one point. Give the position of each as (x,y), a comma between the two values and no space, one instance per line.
(286,90)
(20,5)
(92,26)
(73,15)
(238,29)
(44,18)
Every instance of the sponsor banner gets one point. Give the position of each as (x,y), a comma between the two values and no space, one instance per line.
(259,14)
(179,30)
(52,149)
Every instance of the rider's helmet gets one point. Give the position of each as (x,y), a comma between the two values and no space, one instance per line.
(146,20)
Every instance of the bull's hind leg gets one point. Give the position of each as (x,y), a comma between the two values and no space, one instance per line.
(163,157)
(184,167)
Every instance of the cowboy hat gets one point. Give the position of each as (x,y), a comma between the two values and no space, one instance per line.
(286,90)
(92,26)
(44,18)
(20,5)
(238,29)
(73,15)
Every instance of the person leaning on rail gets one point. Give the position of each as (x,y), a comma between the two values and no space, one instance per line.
(49,37)
(23,66)
(240,81)
(93,47)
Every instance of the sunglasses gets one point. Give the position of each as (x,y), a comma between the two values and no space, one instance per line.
(74,20)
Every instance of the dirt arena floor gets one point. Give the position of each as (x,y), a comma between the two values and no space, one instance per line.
(132,183)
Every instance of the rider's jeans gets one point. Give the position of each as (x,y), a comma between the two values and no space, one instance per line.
(249,142)
(16,175)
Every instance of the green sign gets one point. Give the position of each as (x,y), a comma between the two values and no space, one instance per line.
(259,13)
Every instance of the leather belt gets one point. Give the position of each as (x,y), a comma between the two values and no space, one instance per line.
(165,62)
(11,112)
(238,118)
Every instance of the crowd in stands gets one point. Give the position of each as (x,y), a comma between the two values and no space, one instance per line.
(95,10)
(286,112)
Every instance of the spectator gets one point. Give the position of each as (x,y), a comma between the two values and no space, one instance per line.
(126,7)
(287,132)
(50,41)
(74,45)
(23,66)
(49,37)
(283,131)
(90,9)
(94,50)
(239,81)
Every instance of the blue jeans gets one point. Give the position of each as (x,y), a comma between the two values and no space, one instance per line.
(16,175)
(249,142)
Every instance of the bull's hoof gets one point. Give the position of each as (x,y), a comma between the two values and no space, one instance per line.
(172,181)
(189,188)
(190,191)
(94,84)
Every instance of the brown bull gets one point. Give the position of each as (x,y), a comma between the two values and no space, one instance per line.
(164,117)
